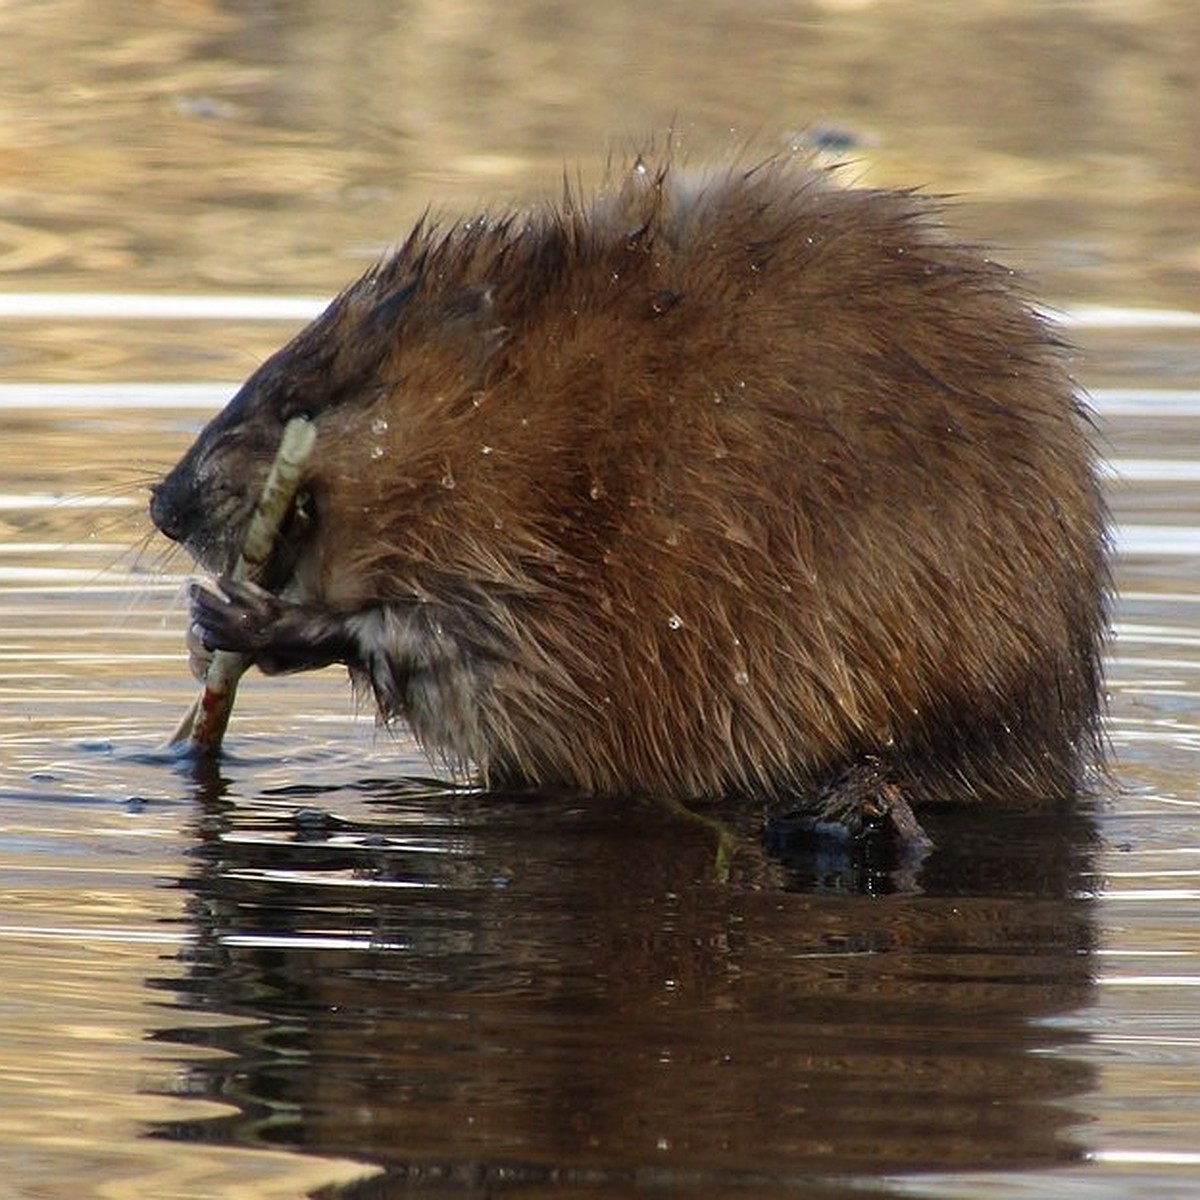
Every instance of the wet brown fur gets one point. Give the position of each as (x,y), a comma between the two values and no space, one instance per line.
(723,483)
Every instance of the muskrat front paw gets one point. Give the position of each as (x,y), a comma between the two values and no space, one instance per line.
(279,635)
(233,615)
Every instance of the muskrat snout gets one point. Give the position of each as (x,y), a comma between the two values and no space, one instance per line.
(170,509)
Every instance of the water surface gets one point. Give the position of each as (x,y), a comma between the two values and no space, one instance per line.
(320,970)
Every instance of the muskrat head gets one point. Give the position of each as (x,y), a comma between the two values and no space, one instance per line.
(206,501)
(333,372)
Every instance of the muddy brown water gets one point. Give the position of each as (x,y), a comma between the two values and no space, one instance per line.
(319,970)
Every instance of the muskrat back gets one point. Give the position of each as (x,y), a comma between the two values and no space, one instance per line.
(722,483)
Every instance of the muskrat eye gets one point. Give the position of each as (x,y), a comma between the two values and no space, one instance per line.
(291,400)
(291,407)
(302,509)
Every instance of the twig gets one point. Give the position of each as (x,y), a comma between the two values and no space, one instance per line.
(203,726)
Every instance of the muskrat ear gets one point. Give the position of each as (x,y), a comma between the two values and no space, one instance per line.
(471,308)
(470,322)
(385,316)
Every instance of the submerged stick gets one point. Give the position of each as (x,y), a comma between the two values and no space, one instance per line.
(204,725)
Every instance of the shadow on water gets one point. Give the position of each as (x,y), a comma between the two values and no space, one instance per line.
(472,993)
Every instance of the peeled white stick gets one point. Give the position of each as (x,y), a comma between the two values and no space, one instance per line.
(204,725)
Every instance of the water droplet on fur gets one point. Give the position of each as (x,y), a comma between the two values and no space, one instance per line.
(379,425)
(673,538)
(497,522)
(674,621)
(485,449)
(376,451)
(741,677)
(448,481)
(596,491)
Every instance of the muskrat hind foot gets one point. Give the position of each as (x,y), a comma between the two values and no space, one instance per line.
(859,833)
(863,802)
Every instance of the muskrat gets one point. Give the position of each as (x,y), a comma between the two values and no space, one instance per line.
(731,483)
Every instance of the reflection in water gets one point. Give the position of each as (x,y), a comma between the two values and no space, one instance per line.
(475,989)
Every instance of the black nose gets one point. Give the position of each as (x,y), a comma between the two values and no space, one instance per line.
(166,511)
